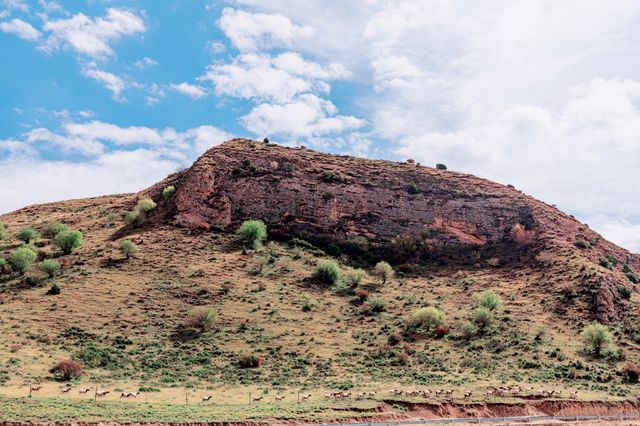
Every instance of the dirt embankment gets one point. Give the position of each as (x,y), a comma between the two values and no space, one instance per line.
(389,412)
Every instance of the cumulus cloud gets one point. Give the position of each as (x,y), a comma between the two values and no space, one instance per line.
(20,28)
(108,80)
(252,31)
(89,36)
(15,5)
(112,159)
(145,62)
(306,116)
(194,92)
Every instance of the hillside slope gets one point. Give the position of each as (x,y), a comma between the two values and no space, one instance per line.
(449,236)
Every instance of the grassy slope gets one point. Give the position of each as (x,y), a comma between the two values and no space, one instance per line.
(333,346)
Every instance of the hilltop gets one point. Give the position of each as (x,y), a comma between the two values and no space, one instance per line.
(449,237)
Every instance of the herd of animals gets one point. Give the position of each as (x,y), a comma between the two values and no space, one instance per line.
(500,391)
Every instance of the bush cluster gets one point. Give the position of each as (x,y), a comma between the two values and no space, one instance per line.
(253,233)
(327,272)
(128,248)
(427,318)
(168,192)
(68,240)
(138,216)
(21,259)
(383,270)
(50,267)
(200,319)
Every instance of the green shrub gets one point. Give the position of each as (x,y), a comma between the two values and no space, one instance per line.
(441,166)
(428,317)
(354,277)
(128,248)
(168,192)
(377,305)
(31,247)
(632,277)
(327,272)
(138,216)
(27,234)
(253,233)
(412,188)
(68,240)
(3,231)
(489,300)
(200,318)
(483,317)
(50,267)
(54,290)
(596,338)
(469,330)
(624,292)
(54,229)
(21,259)
(582,244)
(383,270)
(3,264)
(604,262)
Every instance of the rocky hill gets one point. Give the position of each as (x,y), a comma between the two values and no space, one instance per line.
(449,236)
(403,212)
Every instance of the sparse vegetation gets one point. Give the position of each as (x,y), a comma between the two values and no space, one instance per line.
(413,189)
(469,330)
(128,248)
(138,216)
(483,317)
(377,305)
(354,277)
(200,319)
(327,272)
(50,267)
(27,235)
(22,259)
(384,271)
(522,236)
(596,338)
(582,244)
(624,292)
(253,233)
(3,232)
(54,290)
(427,318)
(68,240)
(66,370)
(168,192)
(54,229)
(489,300)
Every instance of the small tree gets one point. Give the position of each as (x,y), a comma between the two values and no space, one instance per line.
(489,300)
(68,240)
(596,338)
(27,234)
(67,370)
(441,166)
(128,248)
(327,272)
(21,259)
(200,318)
(354,277)
(483,317)
(383,270)
(50,267)
(429,318)
(168,192)
(253,233)
(54,229)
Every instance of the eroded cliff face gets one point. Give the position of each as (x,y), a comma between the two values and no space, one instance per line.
(322,197)
(403,211)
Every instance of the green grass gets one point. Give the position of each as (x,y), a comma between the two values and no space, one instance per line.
(58,409)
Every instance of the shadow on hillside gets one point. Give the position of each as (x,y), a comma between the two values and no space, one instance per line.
(182,335)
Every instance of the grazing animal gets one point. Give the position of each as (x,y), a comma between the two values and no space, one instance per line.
(207,398)
(328,395)
(258,398)
(573,394)
(65,390)
(129,394)
(35,388)
(305,397)
(83,390)
(279,397)
(372,394)
(468,394)
(101,393)
(450,392)
(439,392)
(360,395)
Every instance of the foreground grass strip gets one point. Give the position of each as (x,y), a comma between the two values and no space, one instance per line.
(58,409)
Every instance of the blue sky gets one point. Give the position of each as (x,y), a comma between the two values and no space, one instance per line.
(108,96)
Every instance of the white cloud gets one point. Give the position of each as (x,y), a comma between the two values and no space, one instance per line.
(215,46)
(145,62)
(277,79)
(92,36)
(15,5)
(108,80)
(307,116)
(113,156)
(194,92)
(252,31)
(20,28)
